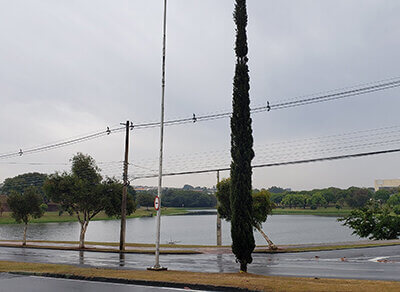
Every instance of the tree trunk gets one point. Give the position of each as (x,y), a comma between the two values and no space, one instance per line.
(84,226)
(243,267)
(24,240)
(271,245)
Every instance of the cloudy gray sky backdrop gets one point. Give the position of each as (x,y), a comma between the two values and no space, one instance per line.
(74,67)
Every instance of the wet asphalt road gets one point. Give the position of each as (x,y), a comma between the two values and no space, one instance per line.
(10,282)
(380,263)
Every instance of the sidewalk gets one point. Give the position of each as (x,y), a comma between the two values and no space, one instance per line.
(196,249)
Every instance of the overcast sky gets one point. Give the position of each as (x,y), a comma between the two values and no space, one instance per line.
(68,68)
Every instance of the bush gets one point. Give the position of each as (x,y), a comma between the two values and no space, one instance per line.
(396,209)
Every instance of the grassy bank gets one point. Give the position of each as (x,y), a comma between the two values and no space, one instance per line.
(192,280)
(330,211)
(65,217)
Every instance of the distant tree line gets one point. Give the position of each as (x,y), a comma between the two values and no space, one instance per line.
(352,197)
(178,198)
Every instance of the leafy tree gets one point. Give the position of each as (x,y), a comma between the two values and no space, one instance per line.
(145,199)
(187,198)
(294,200)
(277,198)
(1,209)
(25,206)
(357,197)
(84,193)
(382,195)
(276,190)
(20,182)
(394,200)
(396,209)
(242,152)
(188,187)
(373,221)
(318,200)
(262,207)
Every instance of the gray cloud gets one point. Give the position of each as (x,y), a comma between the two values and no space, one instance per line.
(74,67)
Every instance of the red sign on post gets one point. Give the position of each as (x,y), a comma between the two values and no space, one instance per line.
(156,203)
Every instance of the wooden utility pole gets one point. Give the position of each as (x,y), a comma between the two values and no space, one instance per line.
(219,233)
(124,191)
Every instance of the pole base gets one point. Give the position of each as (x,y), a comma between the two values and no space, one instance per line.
(157,268)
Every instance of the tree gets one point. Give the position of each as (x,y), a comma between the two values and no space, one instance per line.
(357,197)
(276,190)
(241,147)
(84,193)
(318,200)
(20,182)
(382,195)
(25,206)
(373,221)
(262,207)
(394,200)
(145,199)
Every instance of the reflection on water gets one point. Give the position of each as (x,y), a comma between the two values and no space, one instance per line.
(196,229)
(81,257)
(121,259)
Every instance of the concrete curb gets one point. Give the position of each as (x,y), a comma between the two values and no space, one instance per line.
(136,282)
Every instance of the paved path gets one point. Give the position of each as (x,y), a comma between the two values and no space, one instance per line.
(19,283)
(378,263)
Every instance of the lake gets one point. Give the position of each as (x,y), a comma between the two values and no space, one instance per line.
(189,229)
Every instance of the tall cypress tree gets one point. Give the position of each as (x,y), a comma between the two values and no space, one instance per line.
(241,147)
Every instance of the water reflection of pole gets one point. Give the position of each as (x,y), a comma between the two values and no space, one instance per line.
(121,259)
(219,232)
(81,257)
(220,263)
(157,261)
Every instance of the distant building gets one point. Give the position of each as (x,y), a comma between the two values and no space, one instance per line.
(386,183)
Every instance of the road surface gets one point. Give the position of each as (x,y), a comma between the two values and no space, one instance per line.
(378,263)
(9,282)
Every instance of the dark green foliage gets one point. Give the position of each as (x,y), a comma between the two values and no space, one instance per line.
(374,222)
(262,205)
(394,200)
(223,196)
(145,199)
(84,193)
(318,200)
(357,197)
(187,198)
(26,205)
(396,209)
(382,195)
(277,198)
(188,187)
(241,147)
(295,200)
(111,191)
(276,190)
(20,182)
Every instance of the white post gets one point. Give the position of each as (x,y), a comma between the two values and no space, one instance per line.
(157,262)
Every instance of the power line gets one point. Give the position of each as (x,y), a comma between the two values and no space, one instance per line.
(303,161)
(377,86)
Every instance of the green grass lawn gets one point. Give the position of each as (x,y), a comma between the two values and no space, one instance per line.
(53,216)
(330,211)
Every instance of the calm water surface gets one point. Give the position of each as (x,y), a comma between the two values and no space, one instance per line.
(189,229)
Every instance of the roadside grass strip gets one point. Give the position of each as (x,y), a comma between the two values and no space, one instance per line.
(191,280)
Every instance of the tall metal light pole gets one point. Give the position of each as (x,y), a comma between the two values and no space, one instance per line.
(157,265)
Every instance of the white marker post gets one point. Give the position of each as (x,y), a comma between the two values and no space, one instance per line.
(157,266)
